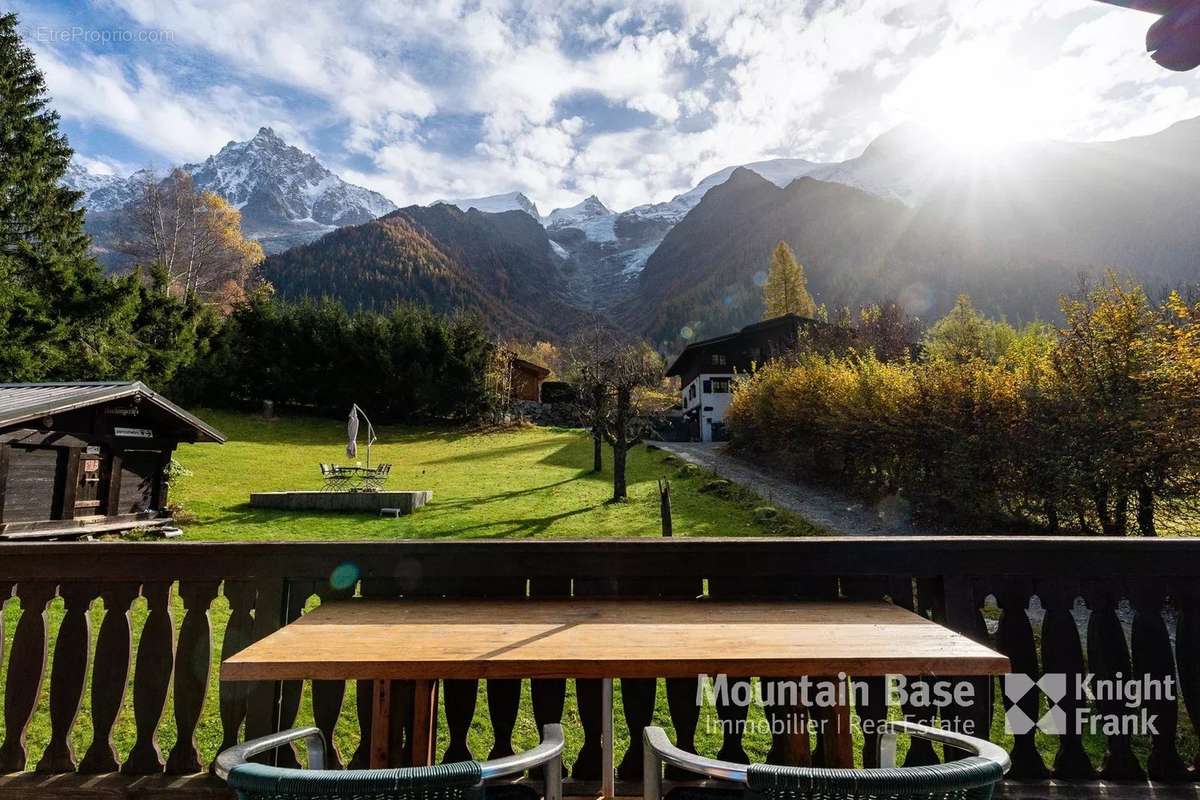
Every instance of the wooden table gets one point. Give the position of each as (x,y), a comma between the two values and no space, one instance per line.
(427,640)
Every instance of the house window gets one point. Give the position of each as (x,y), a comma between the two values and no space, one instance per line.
(719,360)
(720,385)
(707,386)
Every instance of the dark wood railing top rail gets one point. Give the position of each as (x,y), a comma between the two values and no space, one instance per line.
(1034,556)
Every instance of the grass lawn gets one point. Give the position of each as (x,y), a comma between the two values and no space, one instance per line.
(520,483)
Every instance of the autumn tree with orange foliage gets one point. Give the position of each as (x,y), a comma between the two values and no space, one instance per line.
(195,237)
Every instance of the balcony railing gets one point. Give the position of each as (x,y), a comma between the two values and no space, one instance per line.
(981,586)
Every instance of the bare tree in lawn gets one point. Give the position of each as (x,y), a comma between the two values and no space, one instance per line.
(194,237)
(634,369)
(586,358)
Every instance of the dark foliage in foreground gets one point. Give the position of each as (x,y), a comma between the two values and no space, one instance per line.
(409,365)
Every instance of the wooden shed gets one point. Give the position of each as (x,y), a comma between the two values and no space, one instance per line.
(82,458)
(527,380)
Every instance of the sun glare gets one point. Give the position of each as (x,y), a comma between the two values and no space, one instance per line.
(977,100)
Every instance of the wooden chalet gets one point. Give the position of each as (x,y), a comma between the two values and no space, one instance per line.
(706,369)
(83,458)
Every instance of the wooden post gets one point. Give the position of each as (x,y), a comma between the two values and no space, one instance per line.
(4,450)
(381,709)
(608,773)
(424,724)
(664,504)
(70,483)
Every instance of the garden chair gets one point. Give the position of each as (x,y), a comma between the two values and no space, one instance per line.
(334,479)
(375,480)
(463,780)
(970,778)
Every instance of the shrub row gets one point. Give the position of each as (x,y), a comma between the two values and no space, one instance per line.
(1091,426)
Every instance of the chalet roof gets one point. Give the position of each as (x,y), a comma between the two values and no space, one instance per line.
(676,367)
(532,367)
(21,402)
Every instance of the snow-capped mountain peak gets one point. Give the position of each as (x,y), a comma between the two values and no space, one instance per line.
(105,192)
(274,183)
(286,195)
(587,209)
(497,204)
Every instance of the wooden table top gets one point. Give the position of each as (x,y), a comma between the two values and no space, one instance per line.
(598,638)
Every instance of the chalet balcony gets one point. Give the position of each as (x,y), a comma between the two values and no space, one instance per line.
(1050,604)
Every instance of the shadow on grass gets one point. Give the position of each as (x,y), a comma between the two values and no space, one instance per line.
(243,514)
(525,527)
(487,453)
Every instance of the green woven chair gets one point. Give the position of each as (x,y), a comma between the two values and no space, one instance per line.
(971,778)
(464,780)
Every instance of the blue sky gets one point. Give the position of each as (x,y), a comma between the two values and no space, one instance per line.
(632,102)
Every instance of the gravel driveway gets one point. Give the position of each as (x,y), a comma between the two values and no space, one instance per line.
(836,513)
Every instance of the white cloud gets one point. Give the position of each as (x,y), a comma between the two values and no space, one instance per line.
(144,106)
(715,82)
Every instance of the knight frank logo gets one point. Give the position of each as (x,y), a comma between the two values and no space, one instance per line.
(1108,706)
(1017,687)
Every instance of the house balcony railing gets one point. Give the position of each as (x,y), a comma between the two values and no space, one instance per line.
(1135,601)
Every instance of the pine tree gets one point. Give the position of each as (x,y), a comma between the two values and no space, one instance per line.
(60,316)
(786,291)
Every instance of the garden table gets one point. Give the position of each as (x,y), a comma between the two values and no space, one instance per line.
(424,641)
(356,476)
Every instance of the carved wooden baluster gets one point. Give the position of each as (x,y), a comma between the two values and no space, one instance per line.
(874,711)
(681,692)
(289,699)
(811,588)
(732,715)
(915,596)
(790,744)
(1187,650)
(193,658)
(960,611)
(685,716)
(239,633)
(110,675)
(548,695)
(1108,657)
(638,695)
(328,696)
(459,698)
(1154,663)
(503,696)
(1062,653)
(637,704)
(504,700)
(589,698)
(71,651)
(363,699)
(1015,640)
(263,698)
(26,667)
(151,680)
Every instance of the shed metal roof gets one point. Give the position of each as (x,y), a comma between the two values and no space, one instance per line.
(22,402)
